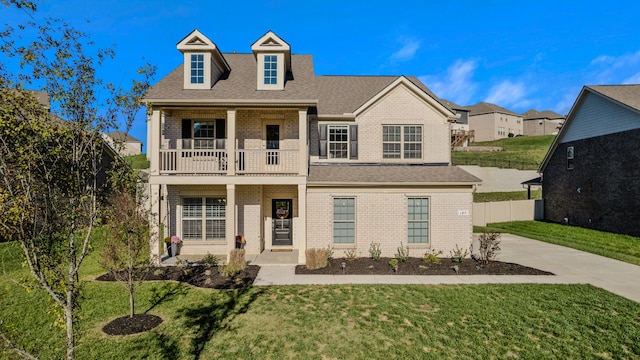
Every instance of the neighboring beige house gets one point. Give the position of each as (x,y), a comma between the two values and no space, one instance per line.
(461,135)
(124,143)
(541,122)
(492,122)
(257,145)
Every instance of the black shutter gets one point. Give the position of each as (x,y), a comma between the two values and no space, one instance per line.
(323,140)
(353,142)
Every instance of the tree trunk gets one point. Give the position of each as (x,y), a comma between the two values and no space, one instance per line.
(131,299)
(68,316)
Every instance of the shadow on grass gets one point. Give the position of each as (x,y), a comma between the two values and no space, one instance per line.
(216,315)
(165,292)
(168,346)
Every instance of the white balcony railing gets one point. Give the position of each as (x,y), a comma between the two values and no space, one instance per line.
(267,161)
(203,161)
(209,161)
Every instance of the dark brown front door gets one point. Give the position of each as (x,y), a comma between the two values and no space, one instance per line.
(281,213)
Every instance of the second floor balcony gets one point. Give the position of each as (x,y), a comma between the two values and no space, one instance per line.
(217,161)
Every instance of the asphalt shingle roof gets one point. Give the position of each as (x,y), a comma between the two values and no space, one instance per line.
(389,174)
(546,114)
(240,84)
(486,108)
(625,94)
(120,136)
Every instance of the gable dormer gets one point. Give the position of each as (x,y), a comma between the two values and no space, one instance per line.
(203,61)
(273,61)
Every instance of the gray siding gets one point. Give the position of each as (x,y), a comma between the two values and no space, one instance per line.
(599,116)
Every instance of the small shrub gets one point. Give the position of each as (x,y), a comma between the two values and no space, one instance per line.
(458,255)
(374,251)
(316,258)
(350,254)
(329,252)
(211,260)
(394,264)
(431,256)
(489,246)
(403,253)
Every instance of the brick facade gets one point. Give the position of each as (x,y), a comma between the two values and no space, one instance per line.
(601,191)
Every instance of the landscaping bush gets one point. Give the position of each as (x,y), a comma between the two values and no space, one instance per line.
(316,258)
(489,246)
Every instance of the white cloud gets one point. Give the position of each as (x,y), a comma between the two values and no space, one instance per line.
(508,94)
(634,79)
(456,84)
(615,69)
(408,50)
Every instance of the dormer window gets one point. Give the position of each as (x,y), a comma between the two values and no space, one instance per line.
(197,68)
(273,62)
(204,64)
(270,69)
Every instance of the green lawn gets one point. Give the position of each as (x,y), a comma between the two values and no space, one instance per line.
(505,196)
(523,152)
(138,162)
(333,322)
(615,246)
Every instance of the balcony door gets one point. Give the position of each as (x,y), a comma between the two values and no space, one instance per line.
(272,136)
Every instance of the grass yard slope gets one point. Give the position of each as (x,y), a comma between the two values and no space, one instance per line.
(332,322)
(615,246)
(522,152)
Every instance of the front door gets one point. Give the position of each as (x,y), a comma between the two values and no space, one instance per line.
(281,213)
(273,143)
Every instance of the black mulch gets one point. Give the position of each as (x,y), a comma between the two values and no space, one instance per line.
(132,325)
(417,266)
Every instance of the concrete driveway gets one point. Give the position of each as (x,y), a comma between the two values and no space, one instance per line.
(573,266)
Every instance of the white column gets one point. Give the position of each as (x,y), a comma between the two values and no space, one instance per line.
(230,219)
(302,223)
(153,147)
(231,141)
(303,147)
(154,223)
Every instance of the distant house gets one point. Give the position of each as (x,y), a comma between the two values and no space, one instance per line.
(461,135)
(591,174)
(256,144)
(492,122)
(124,143)
(541,122)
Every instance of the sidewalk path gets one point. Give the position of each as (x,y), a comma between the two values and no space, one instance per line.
(569,265)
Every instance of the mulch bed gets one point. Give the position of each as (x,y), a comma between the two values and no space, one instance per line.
(417,266)
(204,276)
(132,325)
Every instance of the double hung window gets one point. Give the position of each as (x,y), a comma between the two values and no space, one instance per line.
(402,141)
(203,218)
(418,220)
(344,220)
(197,68)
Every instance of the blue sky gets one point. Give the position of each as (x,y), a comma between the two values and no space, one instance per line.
(517,54)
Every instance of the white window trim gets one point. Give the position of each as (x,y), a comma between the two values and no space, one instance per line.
(428,221)
(280,72)
(206,84)
(355,222)
(402,142)
(345,142)
(180,218)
